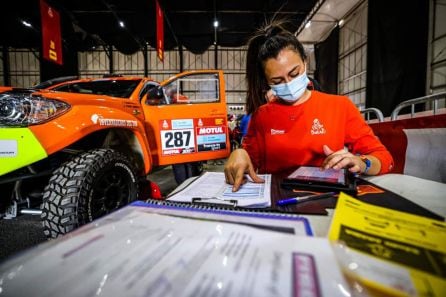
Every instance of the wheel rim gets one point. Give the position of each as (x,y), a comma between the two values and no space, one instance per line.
(110,191)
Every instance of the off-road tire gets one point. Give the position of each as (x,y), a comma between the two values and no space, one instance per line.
(89,186)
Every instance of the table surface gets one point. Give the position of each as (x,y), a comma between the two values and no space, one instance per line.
(426,193)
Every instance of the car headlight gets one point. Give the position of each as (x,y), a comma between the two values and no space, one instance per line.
(24,109)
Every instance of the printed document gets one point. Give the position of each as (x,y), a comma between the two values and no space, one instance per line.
(132,252)
(211,187)
(394,252)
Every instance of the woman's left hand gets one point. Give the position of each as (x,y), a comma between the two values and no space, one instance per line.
(342,159)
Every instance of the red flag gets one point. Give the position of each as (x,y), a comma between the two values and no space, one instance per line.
(159,32)
(51,37)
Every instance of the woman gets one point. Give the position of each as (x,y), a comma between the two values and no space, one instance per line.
(301,126)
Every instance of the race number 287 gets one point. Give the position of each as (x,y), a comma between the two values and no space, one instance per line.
(177,139)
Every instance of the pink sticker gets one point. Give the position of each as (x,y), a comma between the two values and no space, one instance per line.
(305,282)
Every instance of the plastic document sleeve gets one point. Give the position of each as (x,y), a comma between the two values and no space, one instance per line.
(142,251)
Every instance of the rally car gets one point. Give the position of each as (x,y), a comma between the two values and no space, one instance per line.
(80,149)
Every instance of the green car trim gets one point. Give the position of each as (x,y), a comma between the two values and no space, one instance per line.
(18,148)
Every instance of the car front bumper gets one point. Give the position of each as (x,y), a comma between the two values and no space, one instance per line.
(18,148)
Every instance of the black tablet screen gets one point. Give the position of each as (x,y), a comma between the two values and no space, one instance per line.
(316,174)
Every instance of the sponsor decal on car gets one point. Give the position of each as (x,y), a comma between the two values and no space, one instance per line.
(210,130)
(211,137)
(177,136)
(180,141)
(187,136)
(183,124)
(96,119)
(219,121)
(8,148)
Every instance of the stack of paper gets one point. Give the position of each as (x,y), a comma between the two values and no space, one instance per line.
(135,252)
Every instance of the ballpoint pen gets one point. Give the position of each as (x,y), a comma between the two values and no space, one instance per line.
(304,198)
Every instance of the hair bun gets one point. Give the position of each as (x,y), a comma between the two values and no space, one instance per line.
(272,30)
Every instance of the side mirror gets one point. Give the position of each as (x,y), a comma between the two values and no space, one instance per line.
(155,93)
(155,96)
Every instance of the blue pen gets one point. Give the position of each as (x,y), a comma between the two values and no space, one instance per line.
(304,198)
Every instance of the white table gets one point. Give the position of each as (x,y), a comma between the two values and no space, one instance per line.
(426,193)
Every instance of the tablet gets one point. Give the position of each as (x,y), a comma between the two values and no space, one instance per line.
(309,177)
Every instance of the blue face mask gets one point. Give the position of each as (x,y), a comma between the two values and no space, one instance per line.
(292,90)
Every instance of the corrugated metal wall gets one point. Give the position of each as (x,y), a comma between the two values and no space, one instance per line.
(24,67)
(2,77)
(352,69)
(438,48)
(230,60)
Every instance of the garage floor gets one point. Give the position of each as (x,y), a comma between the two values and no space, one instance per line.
(25,231)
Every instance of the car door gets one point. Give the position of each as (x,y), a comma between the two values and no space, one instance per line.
(186,118)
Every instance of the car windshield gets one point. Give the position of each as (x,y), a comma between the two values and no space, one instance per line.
(114,88)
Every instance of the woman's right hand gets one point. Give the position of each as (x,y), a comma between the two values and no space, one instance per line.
(239,164)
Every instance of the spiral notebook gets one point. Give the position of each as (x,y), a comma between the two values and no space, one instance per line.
(261,218)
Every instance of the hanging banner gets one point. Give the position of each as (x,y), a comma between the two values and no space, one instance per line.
(51,37)
(159,32)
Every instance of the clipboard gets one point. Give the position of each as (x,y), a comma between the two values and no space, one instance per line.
(232,203)
(329,180)
(210,189)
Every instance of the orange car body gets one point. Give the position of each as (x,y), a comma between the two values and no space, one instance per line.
(74,151)
(156,133)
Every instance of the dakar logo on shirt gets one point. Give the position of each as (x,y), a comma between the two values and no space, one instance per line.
(277,132)
(317,128)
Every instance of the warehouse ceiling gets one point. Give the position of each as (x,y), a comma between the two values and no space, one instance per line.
(88,23)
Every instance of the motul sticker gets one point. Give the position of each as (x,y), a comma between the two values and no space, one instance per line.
(180,151)
(8,148)
(211,138)
(210,130)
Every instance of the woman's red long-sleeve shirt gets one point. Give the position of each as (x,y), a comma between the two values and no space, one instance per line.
(282,137)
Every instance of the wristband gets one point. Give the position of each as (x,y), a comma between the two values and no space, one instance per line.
(367,162)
